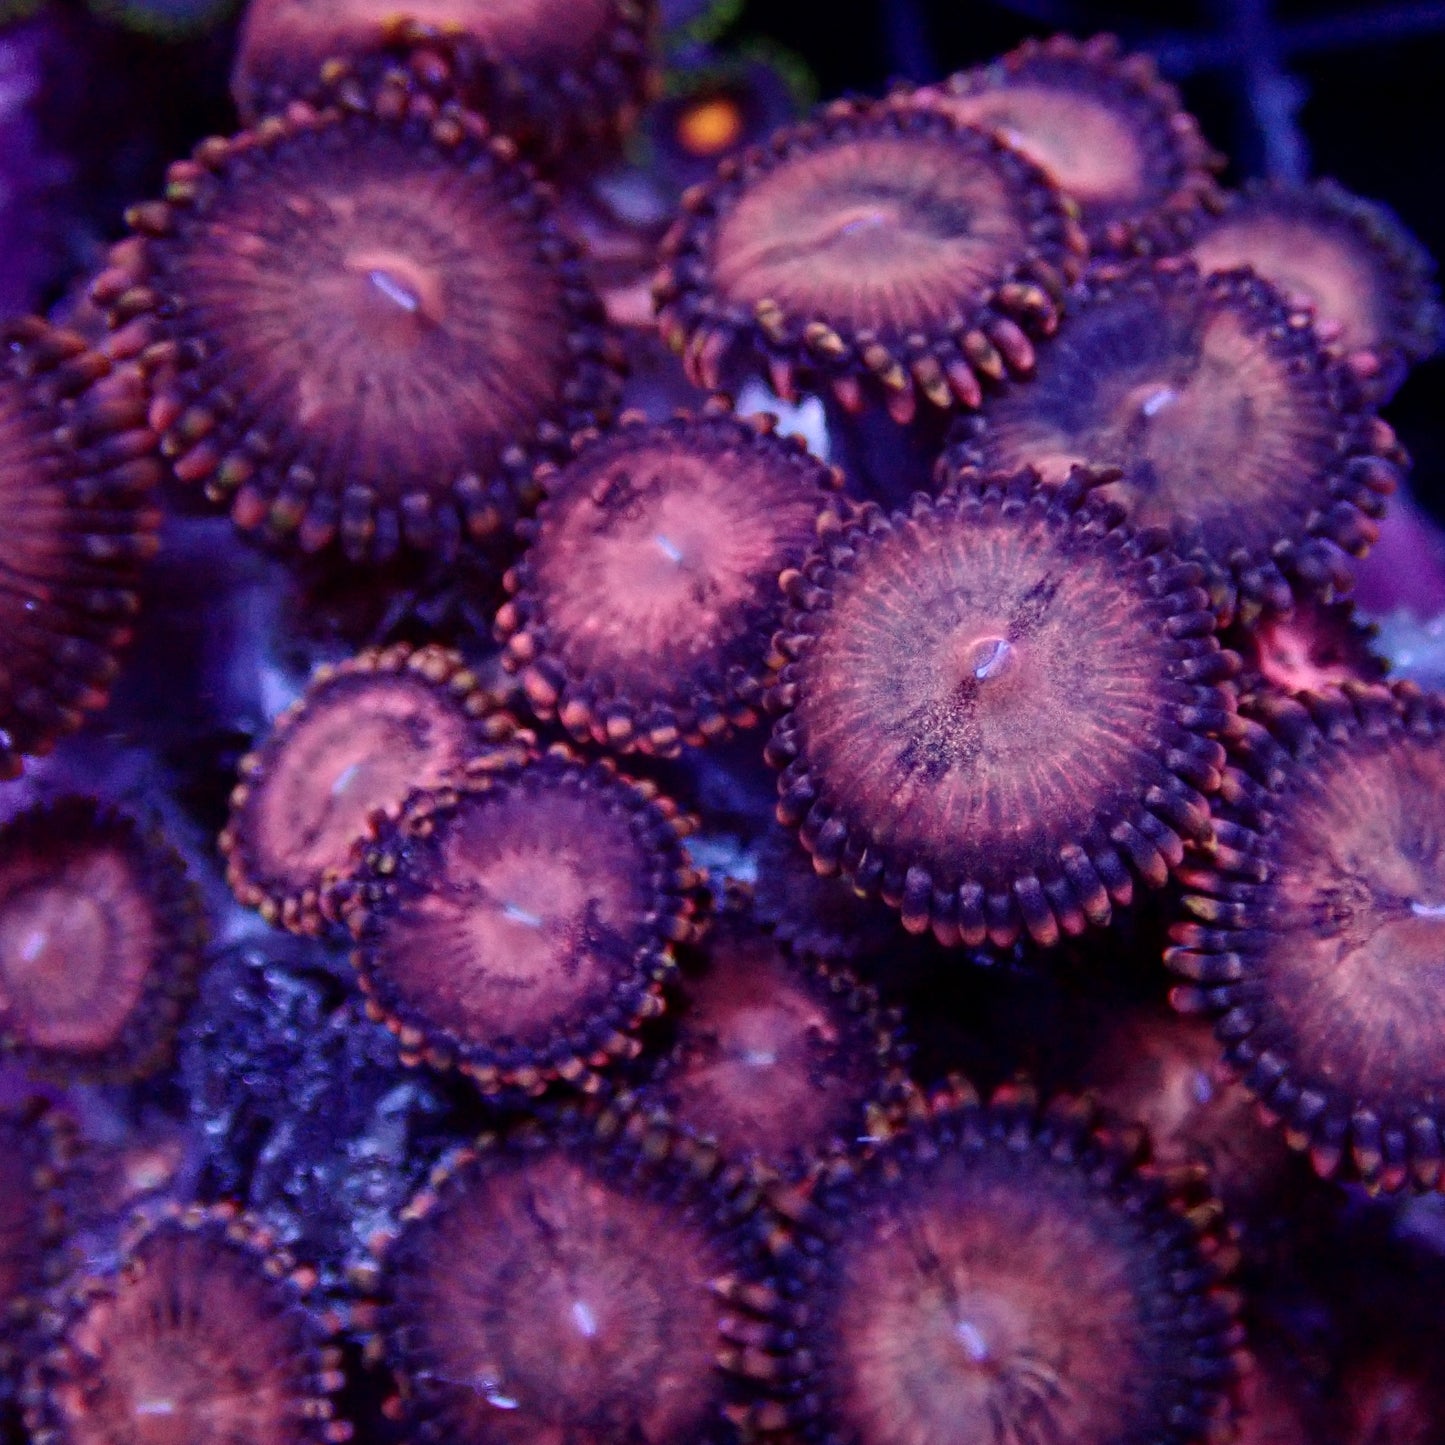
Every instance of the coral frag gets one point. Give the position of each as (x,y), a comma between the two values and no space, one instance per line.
(586,966)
